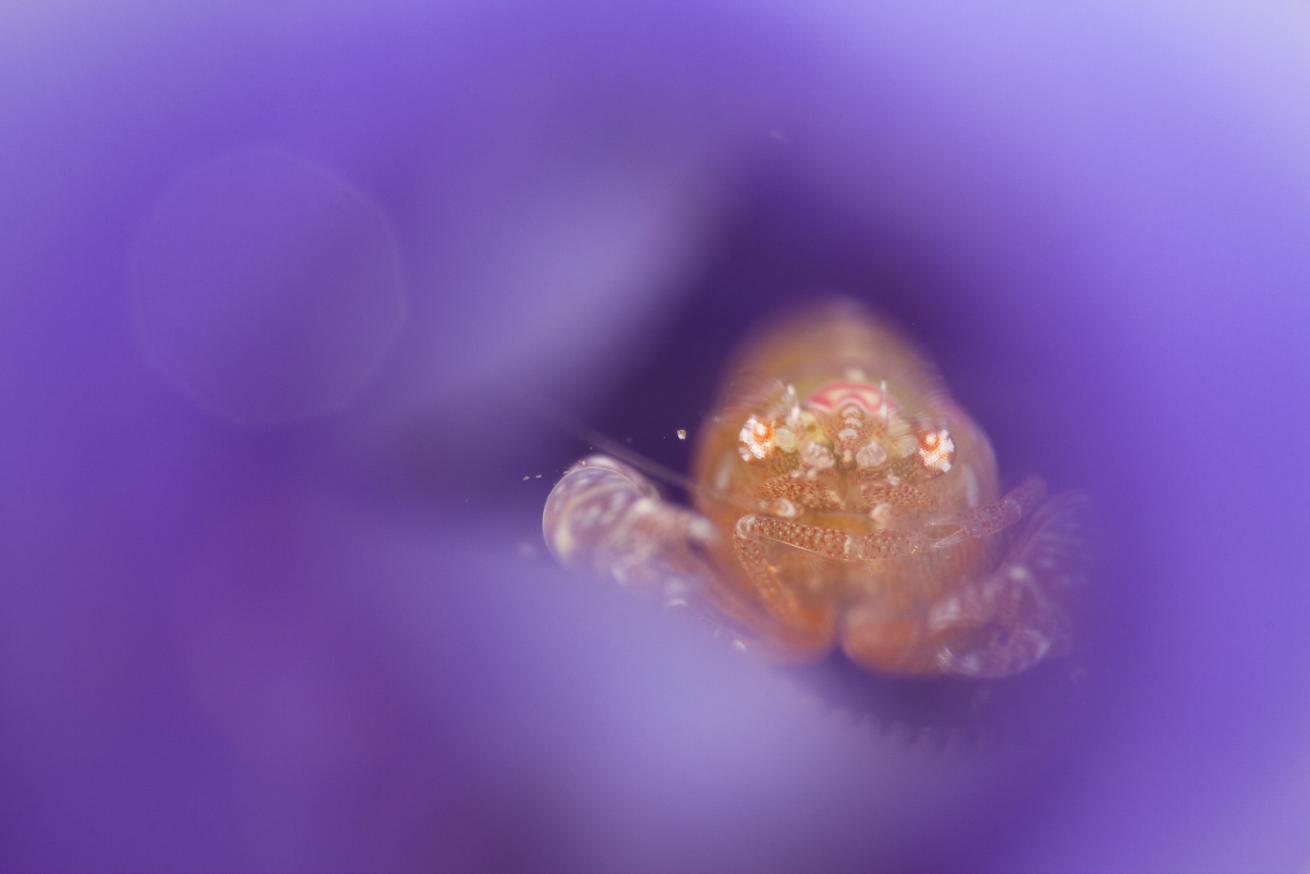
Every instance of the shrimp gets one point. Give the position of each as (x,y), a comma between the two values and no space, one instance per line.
(842,500)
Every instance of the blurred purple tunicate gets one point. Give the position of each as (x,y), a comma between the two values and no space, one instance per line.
(287,292)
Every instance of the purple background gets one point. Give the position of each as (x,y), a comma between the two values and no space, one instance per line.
(279,290)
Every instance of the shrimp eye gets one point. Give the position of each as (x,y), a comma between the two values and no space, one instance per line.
(936,450)
(756,439)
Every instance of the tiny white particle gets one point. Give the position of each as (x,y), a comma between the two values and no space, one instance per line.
(682,433)
(526,477)
(538,476)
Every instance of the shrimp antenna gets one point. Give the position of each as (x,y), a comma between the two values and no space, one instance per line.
(568,422)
